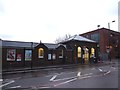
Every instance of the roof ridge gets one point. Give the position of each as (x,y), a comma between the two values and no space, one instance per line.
(50,43)
(18,41)
(79,38)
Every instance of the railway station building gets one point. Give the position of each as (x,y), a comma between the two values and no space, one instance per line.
(75,50)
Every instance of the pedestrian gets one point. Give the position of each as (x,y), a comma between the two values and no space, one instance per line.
(101,58)
(92,58)
(83,58)
(109,57)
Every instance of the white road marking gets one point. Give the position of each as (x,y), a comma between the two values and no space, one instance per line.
(7,83)
(64,79)
(100,70)
(16,87)
(107,73)
(53,77)
(65,82)
(84,77)
(79,73)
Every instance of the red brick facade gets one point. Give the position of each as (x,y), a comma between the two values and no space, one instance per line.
(107,39)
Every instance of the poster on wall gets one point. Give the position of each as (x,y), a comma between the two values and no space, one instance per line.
(28,55)
(18,57)
(11,54)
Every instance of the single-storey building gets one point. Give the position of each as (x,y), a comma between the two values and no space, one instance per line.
(76,49)
(81,49)
(30,54)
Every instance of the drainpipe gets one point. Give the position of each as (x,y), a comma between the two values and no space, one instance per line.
(32,55)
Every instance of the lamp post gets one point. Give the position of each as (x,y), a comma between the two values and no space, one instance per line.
(109,37)
(109,24)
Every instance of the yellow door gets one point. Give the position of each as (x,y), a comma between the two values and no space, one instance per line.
(86,55)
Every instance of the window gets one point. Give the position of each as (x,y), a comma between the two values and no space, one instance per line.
(40,53)
(92,52)
(79,52)
(54,56)
(86,52)
(11,54)
(28,55)
(49,56)
(61,54)
(95,37)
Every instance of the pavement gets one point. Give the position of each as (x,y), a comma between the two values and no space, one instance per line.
(29,69)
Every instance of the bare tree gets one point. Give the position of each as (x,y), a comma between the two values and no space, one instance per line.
(61,39)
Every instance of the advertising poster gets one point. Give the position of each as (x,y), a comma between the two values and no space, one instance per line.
(11,54)
(28,55)
(18,57)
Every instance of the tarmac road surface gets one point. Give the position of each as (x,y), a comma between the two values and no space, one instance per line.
(85,76)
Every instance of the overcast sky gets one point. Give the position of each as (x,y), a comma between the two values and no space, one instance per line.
(46,20)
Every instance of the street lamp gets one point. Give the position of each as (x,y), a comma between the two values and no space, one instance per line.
(108,50)
(109,24)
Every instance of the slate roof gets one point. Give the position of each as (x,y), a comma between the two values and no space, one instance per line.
(53,46)
(6,43)
(79,38)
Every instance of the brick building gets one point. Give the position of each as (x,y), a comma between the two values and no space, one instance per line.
(81,50)
(108,42)
(77,49)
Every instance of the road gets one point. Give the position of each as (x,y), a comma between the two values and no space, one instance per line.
(82,76)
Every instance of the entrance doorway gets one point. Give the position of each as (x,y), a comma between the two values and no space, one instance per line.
(86,55)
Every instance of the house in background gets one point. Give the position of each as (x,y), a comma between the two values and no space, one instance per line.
(108,42)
